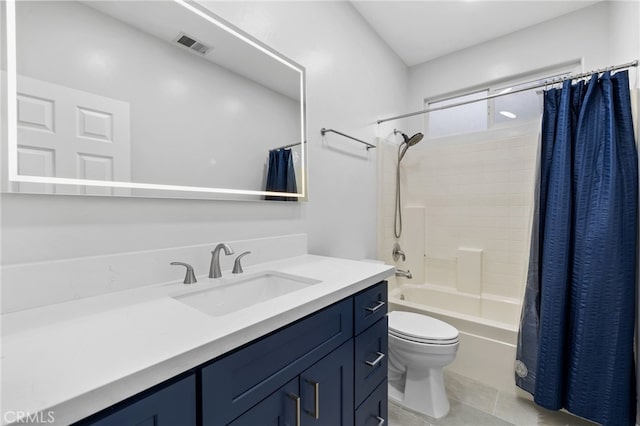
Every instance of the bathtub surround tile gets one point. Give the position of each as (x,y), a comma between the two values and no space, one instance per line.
(469,271)
(413,242)
(440,271)
(477,194)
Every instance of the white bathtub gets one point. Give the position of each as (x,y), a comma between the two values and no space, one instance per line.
(496,309)
(488,329)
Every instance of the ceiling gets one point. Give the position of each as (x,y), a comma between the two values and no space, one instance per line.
(166,20)
(419,31)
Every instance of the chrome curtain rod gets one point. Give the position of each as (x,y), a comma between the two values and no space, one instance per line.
(369,146)
(287,146)
(497,95)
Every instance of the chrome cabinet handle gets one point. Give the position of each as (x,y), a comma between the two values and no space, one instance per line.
(316,400)
(296,398)
(380,420)
(375,361)
(375,308)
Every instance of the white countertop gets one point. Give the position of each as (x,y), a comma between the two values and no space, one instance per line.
(76,358)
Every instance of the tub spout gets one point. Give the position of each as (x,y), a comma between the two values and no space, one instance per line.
(403,273)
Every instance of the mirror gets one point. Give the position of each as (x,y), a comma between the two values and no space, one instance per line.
(147,98)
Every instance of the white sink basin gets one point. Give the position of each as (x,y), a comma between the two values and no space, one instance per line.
(244,292)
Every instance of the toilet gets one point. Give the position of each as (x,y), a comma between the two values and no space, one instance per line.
(419,348)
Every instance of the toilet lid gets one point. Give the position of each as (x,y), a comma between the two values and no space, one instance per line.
(421,328)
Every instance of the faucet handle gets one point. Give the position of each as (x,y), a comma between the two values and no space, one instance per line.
(398,253)
(190,276)
(237,266)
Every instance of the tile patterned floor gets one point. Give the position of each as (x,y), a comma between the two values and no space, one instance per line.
(475,404)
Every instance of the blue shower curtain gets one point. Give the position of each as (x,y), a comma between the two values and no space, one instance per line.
(575,346)
(281,176)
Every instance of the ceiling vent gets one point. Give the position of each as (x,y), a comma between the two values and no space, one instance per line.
(192,44)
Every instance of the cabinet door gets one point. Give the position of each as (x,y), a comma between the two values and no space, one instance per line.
(281,408)
(326,389)
(173,405)
(239,381)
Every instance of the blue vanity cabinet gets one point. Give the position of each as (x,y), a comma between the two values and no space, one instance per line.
(165,405)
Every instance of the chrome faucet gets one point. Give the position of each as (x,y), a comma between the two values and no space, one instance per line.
(214,268)
(403,273)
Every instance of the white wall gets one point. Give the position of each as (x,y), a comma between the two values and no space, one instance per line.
(624,30)
(352,79)
(348,89)
(598,36)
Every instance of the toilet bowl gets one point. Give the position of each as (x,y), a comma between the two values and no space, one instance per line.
(419,348)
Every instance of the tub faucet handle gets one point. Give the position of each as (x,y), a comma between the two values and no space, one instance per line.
(398,253)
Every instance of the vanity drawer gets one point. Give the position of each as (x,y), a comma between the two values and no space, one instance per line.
(374,411)
(235,383)
(369,306)
(371,352)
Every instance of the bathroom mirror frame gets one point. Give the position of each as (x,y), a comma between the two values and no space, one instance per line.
(75,186)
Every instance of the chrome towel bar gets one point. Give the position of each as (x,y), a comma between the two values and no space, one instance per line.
(369,146)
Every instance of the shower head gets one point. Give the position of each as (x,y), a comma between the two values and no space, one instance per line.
(411,141)
(407,142)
